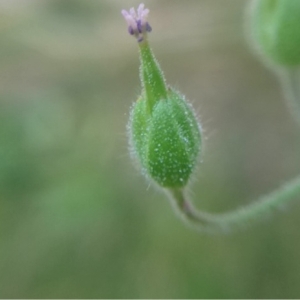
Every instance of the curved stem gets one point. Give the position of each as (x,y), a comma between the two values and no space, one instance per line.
(290,78)
(238,218)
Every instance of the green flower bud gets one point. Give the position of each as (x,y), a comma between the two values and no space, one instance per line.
(164,132)
(276,29)
(166,140)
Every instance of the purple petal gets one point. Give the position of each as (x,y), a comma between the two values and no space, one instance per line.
(124,13)
(140,9)
(148,27)
(132,12)
(130,30)
(139,26)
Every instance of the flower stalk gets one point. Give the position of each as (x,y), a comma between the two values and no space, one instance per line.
(237,219)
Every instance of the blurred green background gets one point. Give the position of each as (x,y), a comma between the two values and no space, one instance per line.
(77,220)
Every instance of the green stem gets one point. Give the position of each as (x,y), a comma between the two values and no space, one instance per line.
(238,218)
(290,78)
(152,78)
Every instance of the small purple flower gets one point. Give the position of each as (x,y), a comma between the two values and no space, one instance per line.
(137,22)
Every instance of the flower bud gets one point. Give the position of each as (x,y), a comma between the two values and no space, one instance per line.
(276,29)
(164,132)
(166,140)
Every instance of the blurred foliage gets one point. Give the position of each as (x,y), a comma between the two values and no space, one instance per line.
(76,219)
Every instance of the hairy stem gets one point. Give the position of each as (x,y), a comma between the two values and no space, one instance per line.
(239,218)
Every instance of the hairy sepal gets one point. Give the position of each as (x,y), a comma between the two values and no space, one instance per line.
(166,140)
